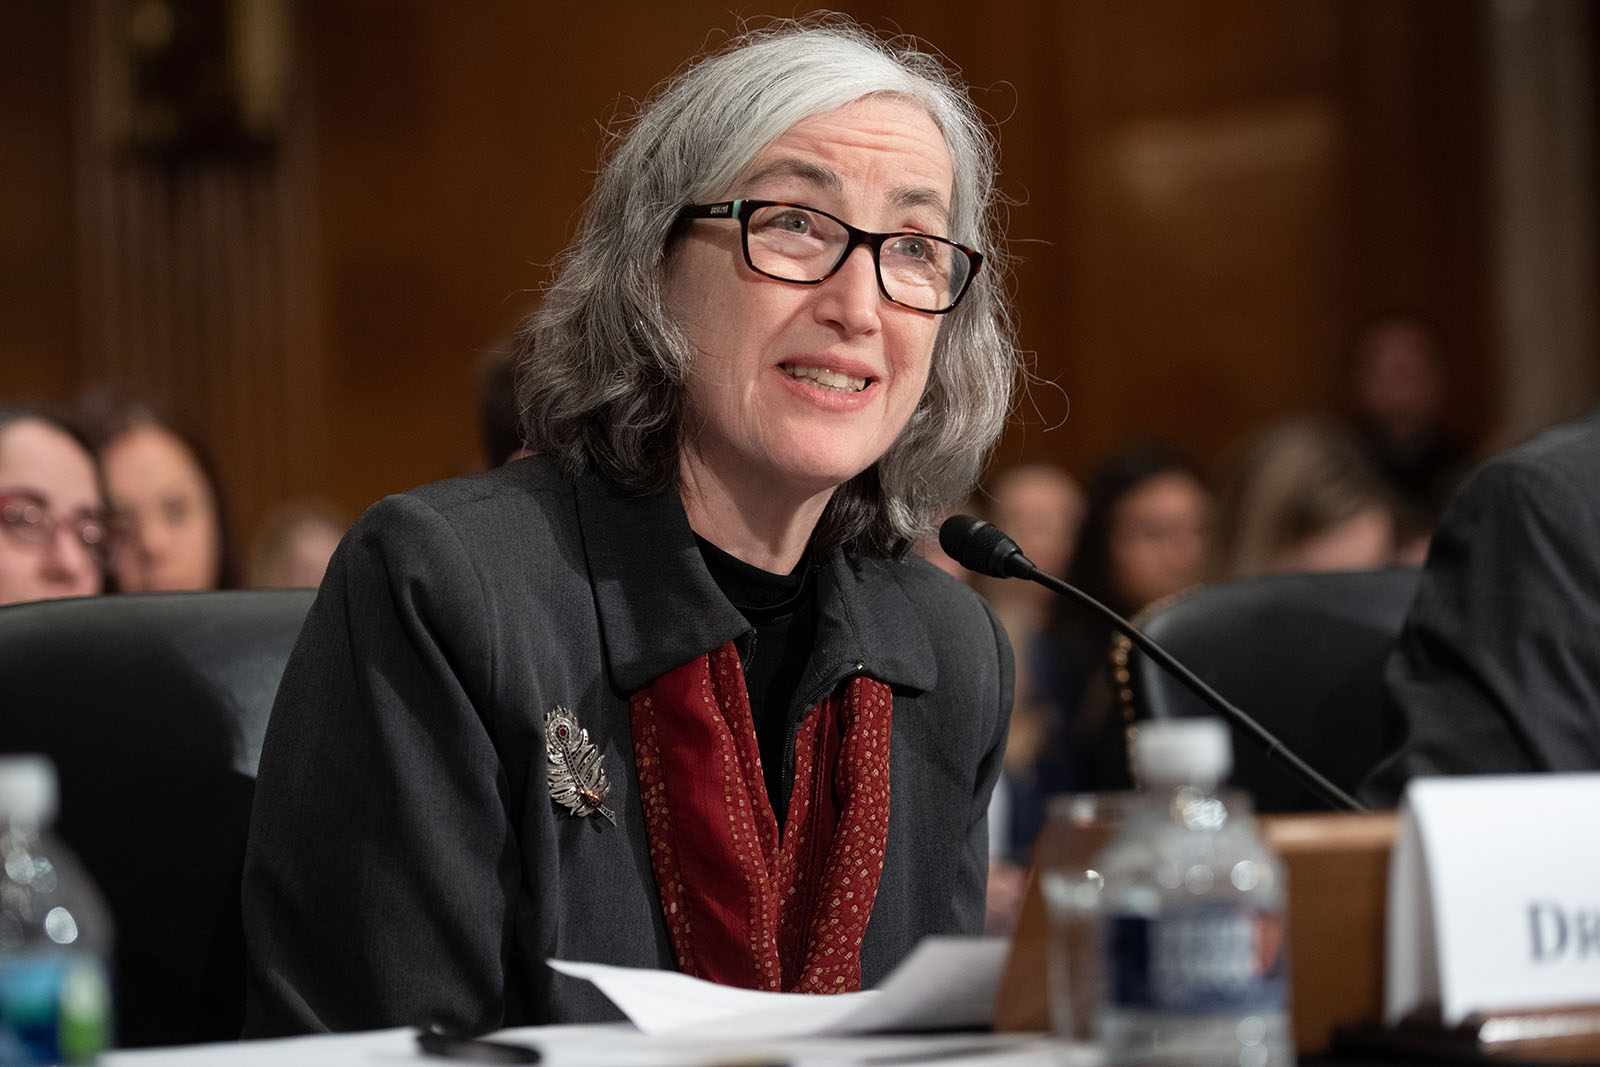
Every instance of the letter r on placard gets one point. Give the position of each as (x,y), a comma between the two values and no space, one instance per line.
(1547,926)
(1588,933)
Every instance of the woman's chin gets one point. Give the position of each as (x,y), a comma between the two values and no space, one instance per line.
(160,583)
(809,480)
(828,461)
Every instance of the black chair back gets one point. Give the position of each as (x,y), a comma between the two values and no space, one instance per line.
(1301,653)
(153,709)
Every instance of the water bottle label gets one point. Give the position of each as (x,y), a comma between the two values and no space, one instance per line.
(53,1009)
(1219,958)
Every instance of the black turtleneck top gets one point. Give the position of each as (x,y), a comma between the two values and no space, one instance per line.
(782,612)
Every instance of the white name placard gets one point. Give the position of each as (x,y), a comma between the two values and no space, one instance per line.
(1494,895)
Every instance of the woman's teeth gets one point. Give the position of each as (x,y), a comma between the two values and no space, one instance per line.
(823,378)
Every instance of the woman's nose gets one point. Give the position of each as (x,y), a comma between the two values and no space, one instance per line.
(66,559)
(850,297)
(148,537)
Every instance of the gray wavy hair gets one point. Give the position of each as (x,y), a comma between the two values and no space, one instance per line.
(602,367)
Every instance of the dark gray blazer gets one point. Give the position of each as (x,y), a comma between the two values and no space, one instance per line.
(406,863)
(1498,668)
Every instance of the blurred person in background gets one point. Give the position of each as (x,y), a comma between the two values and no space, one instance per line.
(1143,539)
(1397,380)
(164,495)
(55,540)
(1041,507)
(1300,496)
(293,546)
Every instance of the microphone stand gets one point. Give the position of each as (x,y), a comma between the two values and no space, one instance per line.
(1276,750)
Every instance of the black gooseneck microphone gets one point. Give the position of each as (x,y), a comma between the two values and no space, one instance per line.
(983,547)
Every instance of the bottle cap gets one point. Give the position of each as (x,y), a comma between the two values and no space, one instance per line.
(1173,752)
(28,784)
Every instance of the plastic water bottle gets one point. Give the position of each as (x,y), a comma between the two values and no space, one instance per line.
(55,935)
(1193,934)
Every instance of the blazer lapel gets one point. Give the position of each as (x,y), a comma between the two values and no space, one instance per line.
(658,606)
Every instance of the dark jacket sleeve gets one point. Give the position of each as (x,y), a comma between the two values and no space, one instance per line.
(977,865)
(381,856)
(981,653)
(1498,667)
(949,743)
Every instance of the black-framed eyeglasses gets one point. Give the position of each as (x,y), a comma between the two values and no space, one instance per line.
(26,519)
(795,243)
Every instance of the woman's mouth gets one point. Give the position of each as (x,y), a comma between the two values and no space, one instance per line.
(823,378)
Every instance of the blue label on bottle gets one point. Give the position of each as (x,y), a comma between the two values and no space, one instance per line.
(54,1008)
(1198,960)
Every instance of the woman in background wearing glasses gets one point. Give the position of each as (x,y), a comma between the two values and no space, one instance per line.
(54,538)
(669,694)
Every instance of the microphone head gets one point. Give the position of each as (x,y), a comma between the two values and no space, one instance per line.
(983,547)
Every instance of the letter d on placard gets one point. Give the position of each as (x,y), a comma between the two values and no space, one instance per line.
(1555,926)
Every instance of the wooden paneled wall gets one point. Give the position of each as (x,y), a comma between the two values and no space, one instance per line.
(192,283)
(1205,199)
(38,249)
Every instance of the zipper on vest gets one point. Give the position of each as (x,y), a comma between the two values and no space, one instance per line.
(794,723)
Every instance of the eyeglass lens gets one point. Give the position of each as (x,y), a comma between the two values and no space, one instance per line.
(801,245)
(27,521)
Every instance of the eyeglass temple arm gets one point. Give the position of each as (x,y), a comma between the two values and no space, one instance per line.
(727,209)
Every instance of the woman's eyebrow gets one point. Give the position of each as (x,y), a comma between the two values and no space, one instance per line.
(920,196)
(910,196)
(810,173)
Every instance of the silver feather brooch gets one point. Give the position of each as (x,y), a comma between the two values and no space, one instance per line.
(577,781)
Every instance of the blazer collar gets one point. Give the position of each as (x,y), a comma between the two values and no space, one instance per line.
(865,618)
(659,607)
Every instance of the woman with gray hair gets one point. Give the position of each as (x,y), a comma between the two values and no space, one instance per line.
(668,693)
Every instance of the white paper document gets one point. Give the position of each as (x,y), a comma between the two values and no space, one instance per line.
(947,983)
